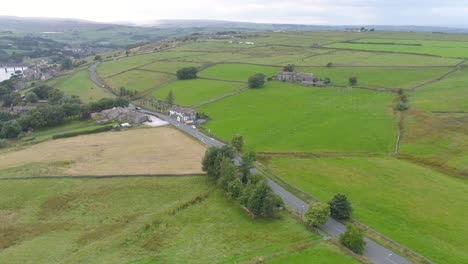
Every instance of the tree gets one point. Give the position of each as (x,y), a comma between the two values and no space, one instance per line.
(401,107)
(327,80)
(237,142)
(67,64)
(317,214)
(228,173)
(329,65)
(353,81)
(340,208)
(10,129)
(235,188)
(187,73)
(170,98)
(98,58)
(353,239)
(247,163)
(256,81)
(289,68)
(31,97)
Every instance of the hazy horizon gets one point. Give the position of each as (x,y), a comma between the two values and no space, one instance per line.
(307,12)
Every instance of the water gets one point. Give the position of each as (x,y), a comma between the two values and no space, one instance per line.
(6,75)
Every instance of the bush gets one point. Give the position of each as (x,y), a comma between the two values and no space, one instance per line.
(187,73)
(401,107)
(340,208)
(289,68)
(317,214)
(10,129)
(74,134)
(256,81)
(353,81)
(237,142)
(353,239)
(3,143)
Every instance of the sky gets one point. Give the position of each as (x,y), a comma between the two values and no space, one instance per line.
(315,12)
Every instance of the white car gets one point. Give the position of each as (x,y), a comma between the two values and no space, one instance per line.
(138,108)
(194,127)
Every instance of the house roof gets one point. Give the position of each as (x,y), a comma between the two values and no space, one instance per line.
(185,110)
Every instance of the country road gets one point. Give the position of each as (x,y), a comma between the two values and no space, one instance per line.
(373,251)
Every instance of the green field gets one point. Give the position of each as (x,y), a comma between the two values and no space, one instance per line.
(190,92)
(449,94)
(288,117)
(237,72)
(437,48)
(170,66)
(138,220)
(138,80)
(378,77)
(421,209)
(81,85)
(440,139)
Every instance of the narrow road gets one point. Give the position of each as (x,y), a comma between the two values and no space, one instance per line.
(94,79)
(373,251)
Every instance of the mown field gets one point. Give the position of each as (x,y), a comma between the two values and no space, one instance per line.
(141,220)
(137,80)
(160,150)
(237,72)
(415,206)
(190,92)
(80,84)
(287,117)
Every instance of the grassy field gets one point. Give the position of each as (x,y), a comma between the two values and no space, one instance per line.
(448,94)
(189,92)
(441,139)
(237,72)
(153,151)
(437,48)
(378,77)
(288,117)
(170,66)
(140,220)
(81,85)
(141,81)
(416,207)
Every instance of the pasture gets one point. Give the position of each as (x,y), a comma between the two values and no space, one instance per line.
(140,220)
(237,72)
(160,150)
(80,84)
(139,80)
(288,117)
(419,208)
(190,92)
(378,77)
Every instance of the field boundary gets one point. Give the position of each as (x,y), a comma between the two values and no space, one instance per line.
(219,97)
(100,177)
(443,76)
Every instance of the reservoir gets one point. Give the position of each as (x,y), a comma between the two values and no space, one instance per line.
(5,75)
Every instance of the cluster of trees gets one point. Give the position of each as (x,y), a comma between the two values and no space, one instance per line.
(124,92)
(339,208)
(106,103)
(289,68)
(256,81)
(252,191)
(402,101)
(187,73)
(7,95)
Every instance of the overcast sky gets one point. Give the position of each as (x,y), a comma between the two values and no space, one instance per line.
(323,12)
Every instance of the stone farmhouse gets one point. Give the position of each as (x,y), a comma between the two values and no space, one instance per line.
(183,114)
(306,79)
(123,115)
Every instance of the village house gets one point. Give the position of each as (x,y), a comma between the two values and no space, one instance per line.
(306,79)
(183,114)
(123,115)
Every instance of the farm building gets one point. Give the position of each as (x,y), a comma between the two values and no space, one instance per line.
(183,114)
(306,79)
(123,114)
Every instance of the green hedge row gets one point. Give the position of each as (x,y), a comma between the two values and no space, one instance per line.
(73,134)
